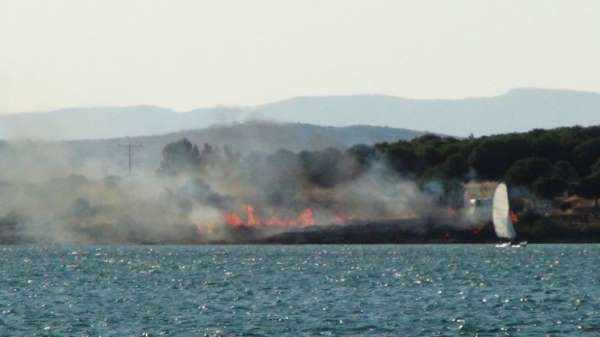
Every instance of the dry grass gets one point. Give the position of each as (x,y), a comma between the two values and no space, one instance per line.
(480,190)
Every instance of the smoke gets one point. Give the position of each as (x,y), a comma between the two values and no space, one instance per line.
(381,193)
(81,210)
(61,199)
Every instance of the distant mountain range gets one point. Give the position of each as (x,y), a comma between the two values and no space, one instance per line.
(515,111)
(108,156)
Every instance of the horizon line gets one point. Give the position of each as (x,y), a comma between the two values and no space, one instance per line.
(254,106)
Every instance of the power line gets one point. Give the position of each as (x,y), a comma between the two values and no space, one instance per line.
(130,148)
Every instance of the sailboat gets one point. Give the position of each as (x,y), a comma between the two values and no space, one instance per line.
(503,224)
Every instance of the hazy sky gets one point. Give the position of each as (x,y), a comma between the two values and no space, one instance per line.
(187,54)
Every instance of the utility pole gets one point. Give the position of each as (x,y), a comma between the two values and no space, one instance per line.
(130,148)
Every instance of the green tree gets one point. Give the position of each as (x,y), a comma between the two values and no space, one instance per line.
(493,156)
(525,171)
(179,157)
(564,170)
(549,187)
(455,166)
(401,157)
(589,187)
(586,154)
(363,154)
(546,144)
(596,166)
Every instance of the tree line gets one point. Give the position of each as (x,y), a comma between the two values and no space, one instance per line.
(548,163)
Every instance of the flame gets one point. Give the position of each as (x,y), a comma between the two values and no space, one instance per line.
(341,218)
(251,215)
(233,219)
(307,217)
(304,219)
(251,219)
(514,217)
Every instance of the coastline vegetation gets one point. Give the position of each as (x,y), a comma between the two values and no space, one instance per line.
(553,175)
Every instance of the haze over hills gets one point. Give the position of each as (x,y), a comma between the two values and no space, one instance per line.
(107,156)
(514,111)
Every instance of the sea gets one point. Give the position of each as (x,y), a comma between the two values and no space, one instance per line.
(320,290)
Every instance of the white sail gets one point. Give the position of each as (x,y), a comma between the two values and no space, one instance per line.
(501,214)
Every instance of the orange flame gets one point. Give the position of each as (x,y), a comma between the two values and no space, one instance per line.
(306,218)
(514,217)
(251,216)
(233,219)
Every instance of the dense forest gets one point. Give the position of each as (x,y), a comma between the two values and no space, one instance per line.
(547,162)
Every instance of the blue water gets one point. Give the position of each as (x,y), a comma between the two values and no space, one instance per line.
(429,290)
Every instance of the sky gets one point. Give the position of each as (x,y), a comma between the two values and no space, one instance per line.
(187,54)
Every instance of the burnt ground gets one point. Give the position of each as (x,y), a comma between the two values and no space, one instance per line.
(421,232)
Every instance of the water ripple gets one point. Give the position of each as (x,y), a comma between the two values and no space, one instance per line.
(478,290)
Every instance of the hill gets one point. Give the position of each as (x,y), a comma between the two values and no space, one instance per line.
(107,156)
(515,111)
(518,110)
